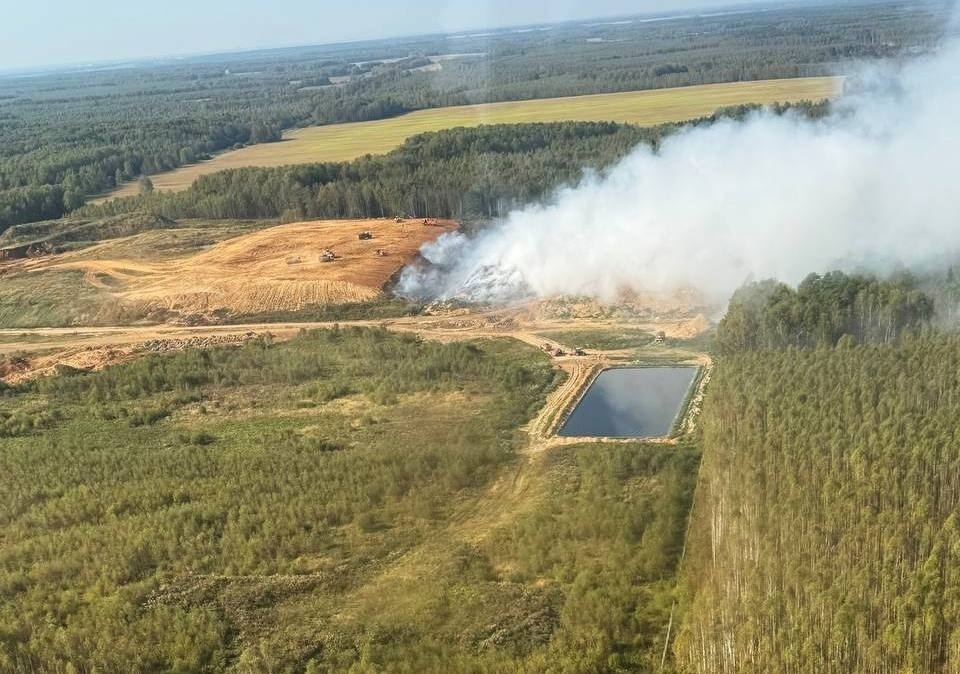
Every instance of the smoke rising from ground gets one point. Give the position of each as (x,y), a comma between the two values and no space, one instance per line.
(875,184)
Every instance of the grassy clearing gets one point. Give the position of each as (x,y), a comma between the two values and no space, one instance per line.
(343,142)
(640,344)
(606,339)
(56,298)
(674,350)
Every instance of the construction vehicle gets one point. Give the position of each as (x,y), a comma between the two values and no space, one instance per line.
(577,351)
(365,235)
(327,255)
(380,252)
(660,337)
(559,352)
(399,218)
(39,249)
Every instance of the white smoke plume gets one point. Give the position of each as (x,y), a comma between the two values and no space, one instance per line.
(875,183)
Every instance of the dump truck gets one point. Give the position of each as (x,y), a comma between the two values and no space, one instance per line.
(365,235)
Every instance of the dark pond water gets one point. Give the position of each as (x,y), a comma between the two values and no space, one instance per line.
(639,402)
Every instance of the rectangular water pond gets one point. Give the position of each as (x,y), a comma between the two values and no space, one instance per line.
(637,402)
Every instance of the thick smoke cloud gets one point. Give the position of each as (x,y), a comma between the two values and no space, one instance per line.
(875,184)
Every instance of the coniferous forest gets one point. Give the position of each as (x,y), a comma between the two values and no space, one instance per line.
(824,534)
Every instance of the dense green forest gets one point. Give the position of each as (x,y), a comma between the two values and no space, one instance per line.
(333,503)
(823,310)
(466,173)
(826,536)
(67,135)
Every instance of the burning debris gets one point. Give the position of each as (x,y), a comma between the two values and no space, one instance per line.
(868,187)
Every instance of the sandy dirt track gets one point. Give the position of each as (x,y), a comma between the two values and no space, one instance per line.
(36,352)
(13,340)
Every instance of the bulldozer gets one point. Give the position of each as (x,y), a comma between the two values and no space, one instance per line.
(365,235)
(327,255)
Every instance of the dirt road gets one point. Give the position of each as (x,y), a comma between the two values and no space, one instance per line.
(490,324)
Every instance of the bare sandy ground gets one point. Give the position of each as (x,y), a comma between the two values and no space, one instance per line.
(274,269)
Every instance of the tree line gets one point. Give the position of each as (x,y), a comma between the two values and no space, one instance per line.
(823,310)
(463,173)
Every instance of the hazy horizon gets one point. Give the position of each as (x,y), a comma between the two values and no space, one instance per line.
(102,31)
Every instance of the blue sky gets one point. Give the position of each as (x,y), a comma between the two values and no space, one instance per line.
(44,32)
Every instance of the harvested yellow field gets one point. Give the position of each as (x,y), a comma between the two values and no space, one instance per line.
(343,142)
(274,269)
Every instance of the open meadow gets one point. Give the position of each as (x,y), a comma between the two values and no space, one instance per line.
(343,142)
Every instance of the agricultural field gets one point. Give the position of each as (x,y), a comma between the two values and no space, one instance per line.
(343,142)
(164,274)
